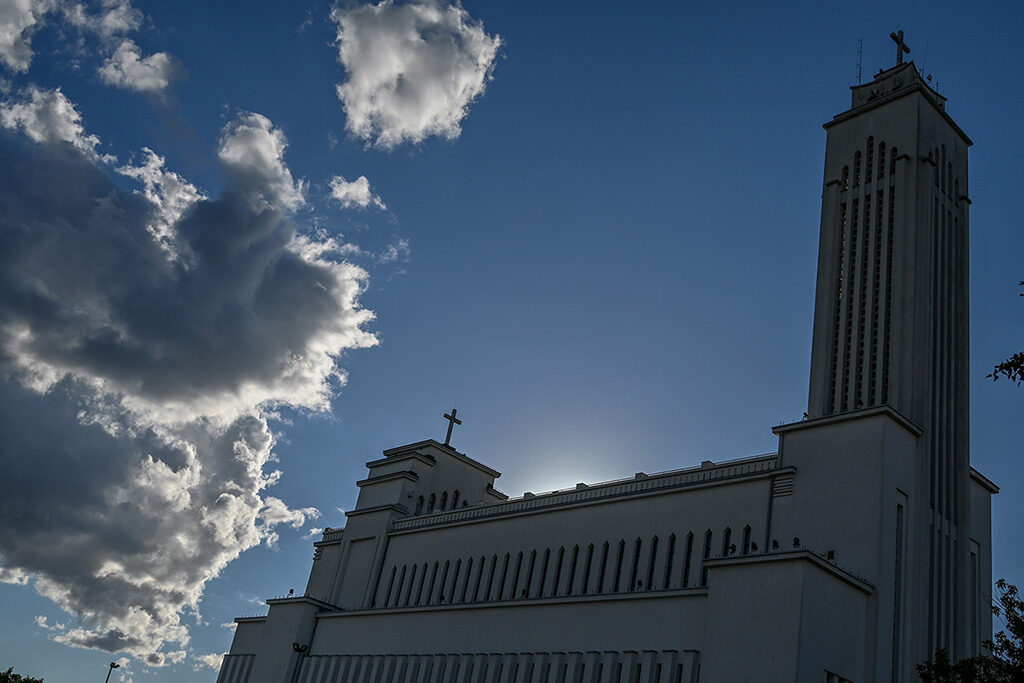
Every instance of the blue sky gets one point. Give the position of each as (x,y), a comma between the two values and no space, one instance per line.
(607,266)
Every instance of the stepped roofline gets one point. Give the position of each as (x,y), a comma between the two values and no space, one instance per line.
(892,84)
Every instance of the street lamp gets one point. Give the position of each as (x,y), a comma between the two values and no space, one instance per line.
(113,665)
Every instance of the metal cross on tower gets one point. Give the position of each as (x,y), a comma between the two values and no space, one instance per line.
(901,47)
(452,421)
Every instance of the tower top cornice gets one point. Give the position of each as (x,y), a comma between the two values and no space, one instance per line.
(891,84)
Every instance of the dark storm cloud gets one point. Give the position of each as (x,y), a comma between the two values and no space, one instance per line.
(142,337)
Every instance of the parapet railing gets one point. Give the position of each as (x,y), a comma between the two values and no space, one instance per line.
(641,483)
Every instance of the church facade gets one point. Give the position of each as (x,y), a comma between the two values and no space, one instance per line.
(850,555)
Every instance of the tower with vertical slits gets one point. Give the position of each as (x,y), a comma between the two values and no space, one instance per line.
(891,313)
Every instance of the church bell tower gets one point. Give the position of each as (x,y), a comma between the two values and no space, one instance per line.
(891,314)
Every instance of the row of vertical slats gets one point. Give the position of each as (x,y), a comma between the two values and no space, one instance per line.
(947,465)
(235,668)
(649,666)
(861,334)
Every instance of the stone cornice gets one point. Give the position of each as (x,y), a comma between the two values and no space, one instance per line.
(793,556)
(640,485)
(984,481)
(900,419)
(302,599)
(696,591)
(404,474)
(378,508)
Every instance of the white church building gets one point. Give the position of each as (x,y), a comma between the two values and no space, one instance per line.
(850,555)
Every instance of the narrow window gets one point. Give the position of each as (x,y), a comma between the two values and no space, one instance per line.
(618,566)
(650,564)
(465,584)
(479,578)
(391,585)
(856,168)
(455,499)
(433,502)
(892,161)
(412,583)
(942,169)
(515,576)
(881,159)
(529,572)
(707,555)
(688,558)
(455,580)
(846,178)
(746,540)
(870,162)
(433,582)
(444,500)
(504,576)
(586,569)
(557,579)
(897,599)
(423,581)
(726,541)
(398,588)
(604,566)
(975,593)
(444,581)
(544,572)
(490,578)
(419,506)
(572,570)
(636,566)
(668,561)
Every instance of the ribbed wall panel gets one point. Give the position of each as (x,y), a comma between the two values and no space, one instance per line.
(235,668)
(646,666)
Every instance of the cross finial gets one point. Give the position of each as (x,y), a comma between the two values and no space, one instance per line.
(901,47)
(452,421)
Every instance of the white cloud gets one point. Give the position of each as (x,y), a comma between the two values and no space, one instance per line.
(135,389)
(13,575)
(212,660)
(110,23)
(253,152)
(114,18)
(397,251)
(355,193)
(170,193)
(127,68)
(48,116)
(413,68)
(18,20)
(275,512)
(314,531)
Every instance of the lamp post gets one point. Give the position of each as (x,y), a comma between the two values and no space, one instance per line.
(113,665)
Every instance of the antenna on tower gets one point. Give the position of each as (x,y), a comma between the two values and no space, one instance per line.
(860,57)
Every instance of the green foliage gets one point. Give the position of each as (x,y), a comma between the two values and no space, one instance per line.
(10,677)
(1008,645)
(1013,367)
(1005,661)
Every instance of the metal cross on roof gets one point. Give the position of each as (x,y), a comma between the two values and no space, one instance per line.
(452,421)
(901,47)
